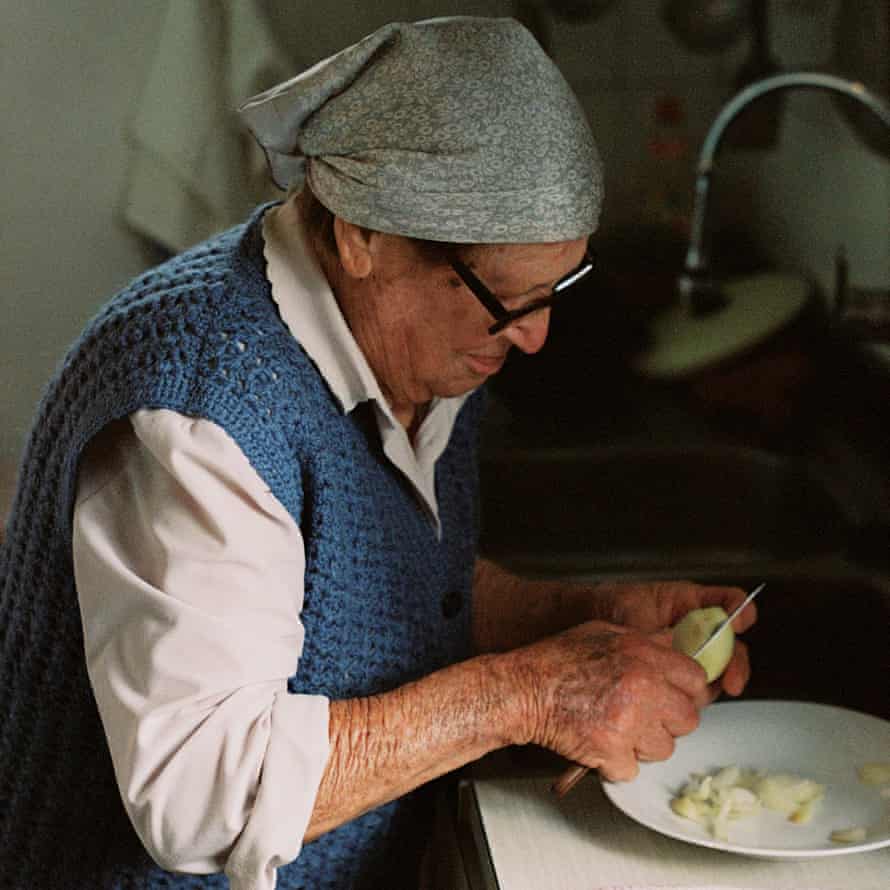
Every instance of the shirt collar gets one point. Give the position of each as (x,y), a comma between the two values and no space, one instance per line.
(311,312)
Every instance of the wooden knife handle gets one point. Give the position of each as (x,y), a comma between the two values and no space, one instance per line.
(569,779)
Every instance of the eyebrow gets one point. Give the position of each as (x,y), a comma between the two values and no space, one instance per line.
(544,284)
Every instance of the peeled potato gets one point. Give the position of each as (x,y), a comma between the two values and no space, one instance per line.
(694,629)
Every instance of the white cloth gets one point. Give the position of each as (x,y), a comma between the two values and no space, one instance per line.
(194,169)
(190,579)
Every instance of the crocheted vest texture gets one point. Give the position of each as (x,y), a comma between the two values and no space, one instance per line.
(385,600)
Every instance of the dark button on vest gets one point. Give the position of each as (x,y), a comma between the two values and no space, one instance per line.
(452,603)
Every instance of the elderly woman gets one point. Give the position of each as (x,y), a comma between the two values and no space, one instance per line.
(244,621)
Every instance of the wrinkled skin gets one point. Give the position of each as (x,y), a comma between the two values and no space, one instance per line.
(606,697)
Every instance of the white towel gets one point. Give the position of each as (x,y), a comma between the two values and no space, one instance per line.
(194,168)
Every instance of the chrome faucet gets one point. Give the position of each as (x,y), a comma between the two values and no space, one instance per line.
(695,285)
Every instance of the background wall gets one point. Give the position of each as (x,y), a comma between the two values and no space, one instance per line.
(73,75)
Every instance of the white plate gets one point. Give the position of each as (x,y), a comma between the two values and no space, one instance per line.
(815,741)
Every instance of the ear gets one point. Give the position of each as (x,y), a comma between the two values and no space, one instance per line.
(354,248)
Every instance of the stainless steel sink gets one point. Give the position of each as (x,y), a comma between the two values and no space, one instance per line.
(652,508)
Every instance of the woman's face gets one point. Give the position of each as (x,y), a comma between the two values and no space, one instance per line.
(424,332)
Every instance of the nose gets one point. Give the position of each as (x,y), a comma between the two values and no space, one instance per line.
(529,333)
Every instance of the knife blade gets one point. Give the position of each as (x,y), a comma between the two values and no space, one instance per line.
(727,621)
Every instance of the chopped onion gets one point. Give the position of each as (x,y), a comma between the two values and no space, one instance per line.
(856,834)
(875,773)
(790,795)
(717,799)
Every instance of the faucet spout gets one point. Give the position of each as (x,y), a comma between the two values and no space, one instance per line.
(694,284)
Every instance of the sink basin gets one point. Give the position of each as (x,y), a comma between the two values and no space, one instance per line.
(651,508)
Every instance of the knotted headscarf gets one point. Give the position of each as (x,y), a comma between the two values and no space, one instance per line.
(454,129)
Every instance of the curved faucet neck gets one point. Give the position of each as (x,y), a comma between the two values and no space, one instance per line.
(693,284)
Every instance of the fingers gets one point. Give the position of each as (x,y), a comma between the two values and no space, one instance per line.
(734,678)
(659,747)
(674,692)
(681,715)
(738,671)
(678,669)
(656,739)
(731,598)
(717,595)
(648,606)
(745,618)
(620,769)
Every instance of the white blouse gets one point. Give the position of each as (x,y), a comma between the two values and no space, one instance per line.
(190,581)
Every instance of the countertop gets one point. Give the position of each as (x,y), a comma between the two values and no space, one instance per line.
(531,840)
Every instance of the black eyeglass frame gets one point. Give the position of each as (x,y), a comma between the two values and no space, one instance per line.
(496,308)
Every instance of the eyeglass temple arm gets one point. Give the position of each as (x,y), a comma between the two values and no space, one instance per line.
(484,295)
(577,276)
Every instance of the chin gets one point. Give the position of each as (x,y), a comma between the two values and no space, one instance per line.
(462,387)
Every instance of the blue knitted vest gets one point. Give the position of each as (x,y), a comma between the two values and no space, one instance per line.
(385,600)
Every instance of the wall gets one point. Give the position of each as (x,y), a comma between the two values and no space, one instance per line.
(620,65)
(71,73)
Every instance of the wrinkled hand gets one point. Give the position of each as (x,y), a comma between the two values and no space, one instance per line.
(654,606)
(606,696)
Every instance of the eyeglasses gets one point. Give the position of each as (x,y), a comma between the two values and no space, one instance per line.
(504,316)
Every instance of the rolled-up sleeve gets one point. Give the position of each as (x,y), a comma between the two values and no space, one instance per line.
(190,582)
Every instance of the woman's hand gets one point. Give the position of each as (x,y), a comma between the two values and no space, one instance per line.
(607,697)
(654,606)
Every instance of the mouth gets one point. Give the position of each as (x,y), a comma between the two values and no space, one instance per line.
(485,365)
